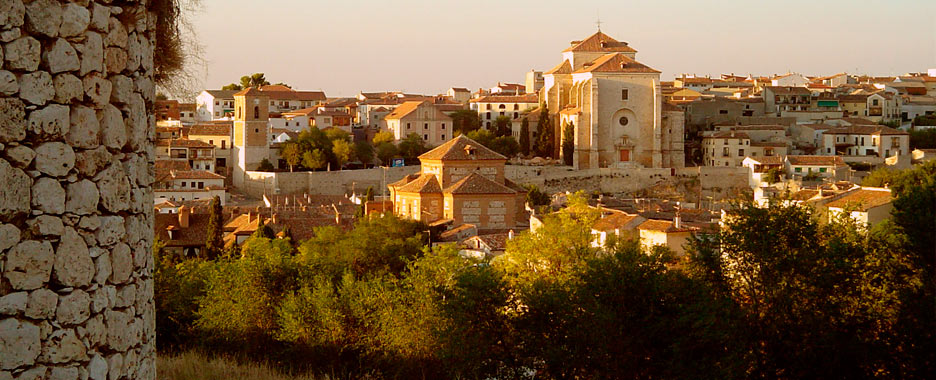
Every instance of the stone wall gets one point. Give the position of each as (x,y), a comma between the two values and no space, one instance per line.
(329,183)
(76,143)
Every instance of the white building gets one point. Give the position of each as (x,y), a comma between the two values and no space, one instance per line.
(490,107)
(214,105)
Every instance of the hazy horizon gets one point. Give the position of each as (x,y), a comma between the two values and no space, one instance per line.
(424,46)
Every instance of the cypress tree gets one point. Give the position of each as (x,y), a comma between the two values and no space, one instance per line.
(214,243)
(568,143)
(544,139)
(525,137)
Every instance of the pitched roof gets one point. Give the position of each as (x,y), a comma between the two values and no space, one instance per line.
(193,174)
(528,98)
(729,135)
(760,127)
(404,109)
(214,129)
(172,165)
(600,42)
(475,183)
(816,160)
(183,143)
(777,90)
(426,183)
(766,160)
(279,92)
(562,68)
(616,63)
(614,221)
(865,130)
(222,94)
(458,149)
(192,236)
(863,199)
(663,226)
(252,91)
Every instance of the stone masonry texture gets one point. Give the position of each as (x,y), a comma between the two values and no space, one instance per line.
(76,169)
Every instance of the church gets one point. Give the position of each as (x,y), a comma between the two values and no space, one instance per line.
(616,107)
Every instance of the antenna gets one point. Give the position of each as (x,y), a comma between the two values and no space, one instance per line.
(598,20)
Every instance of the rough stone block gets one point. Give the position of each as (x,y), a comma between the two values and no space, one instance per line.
(8,83)
(20,156)
(114,188)
(73,264)
(73,308)
(113,128)
(84,130)
(12,13)
(14,199)
(102,265)
(29,264)
(19,343)
(111,230)
(62,346)
(90,162)
(54,159)
(48,196)
(23,53)
(42,303)
(12,120)
(49,123)
(64,373)
(92,53)
(36,87)
(13,303)
(97,89)
(100,16)
(44,17)
(46,225)
(82,197)
(9,236)
(60,56)
(97,369)
(75,19)
(121,263)
(68,88)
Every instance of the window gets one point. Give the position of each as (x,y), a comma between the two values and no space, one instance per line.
(624,94)
(623,120)
(487,116)
(211,142)
(723,112)
(201,185)
(502,106)
(407,125)
(516,107)
(425,125)
(740,152)
(798,170)
(516,115)
(487,106)
(822,170)
(256,112)
(426,137)
(443,126)
(222,144)
(443,137)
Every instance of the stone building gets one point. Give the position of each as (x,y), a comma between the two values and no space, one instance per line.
(76,222)
(251,140)
(616,106)
(461,181)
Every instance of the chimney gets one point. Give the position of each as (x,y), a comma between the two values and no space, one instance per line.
(677,220)
(250,216)
(184,216)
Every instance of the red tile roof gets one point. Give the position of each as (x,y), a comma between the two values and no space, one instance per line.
(562,68)
(183,143)
(528,98)
(458,149)
(600,42)
(616,63)
(214,129)
(475,183)
(425,184)
(616,220)
(863,199)
(816,160)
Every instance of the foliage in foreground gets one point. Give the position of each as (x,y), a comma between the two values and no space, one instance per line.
(775,295)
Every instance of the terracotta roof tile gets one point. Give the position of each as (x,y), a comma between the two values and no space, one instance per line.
(404,109)
(616,63)
(528,98)
(600,42)
(663,226)
(183,143)
(816,160)
(214,129)
(458,149)
(863,199)
(614,221)
(475,183)
(562,68)
(789,90)
(425,184)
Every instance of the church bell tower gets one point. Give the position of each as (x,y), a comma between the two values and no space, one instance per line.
(251,131)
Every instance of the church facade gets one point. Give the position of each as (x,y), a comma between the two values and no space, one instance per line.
(615,105)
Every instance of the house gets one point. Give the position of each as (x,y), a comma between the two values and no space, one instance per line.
(883,106)
(166,110)
(866,140)
(779,99)
(696,84)
(486,245)
(490,107)
(183,233)
(668,233)
(867,205)
(463,181)
(534,81)
(285,99)
(217,134)
(923,155)
(460,94)
(761,167)
(214,104)
(198,154)
(854,105)
(800,167)
(183,185)
(421,118)
(789,80)
(725,148)
(508,89)
(615,223)
(704,112)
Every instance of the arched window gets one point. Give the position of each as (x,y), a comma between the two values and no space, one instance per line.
(502,106)
(256,112)
(516,107)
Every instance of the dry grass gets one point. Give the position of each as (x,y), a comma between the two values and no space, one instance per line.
(192,365)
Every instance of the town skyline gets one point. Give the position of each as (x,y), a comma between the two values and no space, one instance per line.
(391,43)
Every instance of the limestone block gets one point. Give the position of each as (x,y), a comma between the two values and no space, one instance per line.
(126,296)
(4,375)
(137,228)
(144,296)
(82,198)
(145,86)
(19,343)
(12,120)
(119,333)
(11,13)
(29,264)
(13,303)
(134,54)
(121,89)
(48,196)
(73,264)
(49,123)
(111,230)
(62,346)
(95,330)
(111,292)
(46,225)
(60,56)
(113,128)
(90,223)
(42,303)
(73,308)
(91,162)
(138,122)
(64,373)
(114,366)
(8,83)
(10,35)
(23,54)
(14,199)
(116,34)
(35,373)
(115,59)
(44,17)
(114,188)
(100,16)
(84,130)
(98,300)
(97,89)
(92,53)
(97,369)
(36,87)
(75,19)
(121,264)
(102,265)
(54,158)
(68,88)
(9,236)
(20,156)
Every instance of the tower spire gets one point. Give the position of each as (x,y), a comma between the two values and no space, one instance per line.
(598,22)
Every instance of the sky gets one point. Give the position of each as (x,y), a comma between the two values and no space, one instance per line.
(344,47)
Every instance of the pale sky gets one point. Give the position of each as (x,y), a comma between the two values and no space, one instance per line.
(426,46)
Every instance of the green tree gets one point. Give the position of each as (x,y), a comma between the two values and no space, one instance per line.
(525,137)
(880,177)
(232,87)
(343,150)
(923,139)
(412,146)
(545,135)
(536,197)
(314,159)
(464,121)
(369,195)
(265,166)
(254,80)
(568,143)
(382,137)
(292,153)
(386,151)
(214,243)
(364,152)
(502,126)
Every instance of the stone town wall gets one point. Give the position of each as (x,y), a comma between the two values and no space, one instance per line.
(76,143)
(329,183)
